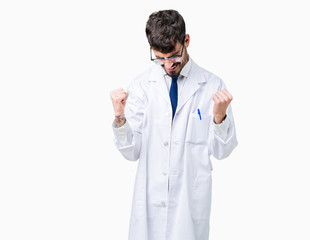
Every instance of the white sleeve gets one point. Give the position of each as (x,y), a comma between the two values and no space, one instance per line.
(223,136)
(221,130)
(128,138)
(122,135)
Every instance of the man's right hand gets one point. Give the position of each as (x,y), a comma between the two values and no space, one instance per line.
(119,98)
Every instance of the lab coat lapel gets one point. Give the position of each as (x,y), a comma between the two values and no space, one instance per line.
(158,78)
(193,82)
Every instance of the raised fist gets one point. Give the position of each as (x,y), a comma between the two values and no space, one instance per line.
(221,100)
(119,98)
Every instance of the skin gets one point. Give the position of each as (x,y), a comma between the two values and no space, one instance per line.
(221,99)
(171,68)
(119,98)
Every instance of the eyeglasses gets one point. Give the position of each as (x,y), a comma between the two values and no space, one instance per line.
(174,59)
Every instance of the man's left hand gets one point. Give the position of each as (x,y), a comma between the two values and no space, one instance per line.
(221,101)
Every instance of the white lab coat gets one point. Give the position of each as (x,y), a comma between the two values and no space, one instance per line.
(172,196)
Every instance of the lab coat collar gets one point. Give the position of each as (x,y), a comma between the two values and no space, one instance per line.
(189,67)
(195,76)
(193,82)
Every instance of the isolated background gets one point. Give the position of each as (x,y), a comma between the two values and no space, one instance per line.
(60,174)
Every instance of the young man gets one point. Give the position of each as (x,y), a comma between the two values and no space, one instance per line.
(173,117)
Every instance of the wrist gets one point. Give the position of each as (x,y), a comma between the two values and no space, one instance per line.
(219,119)
(120,120)
(118,113)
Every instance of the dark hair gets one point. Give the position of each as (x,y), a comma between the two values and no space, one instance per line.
(164,29)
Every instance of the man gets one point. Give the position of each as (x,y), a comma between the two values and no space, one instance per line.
(174,116)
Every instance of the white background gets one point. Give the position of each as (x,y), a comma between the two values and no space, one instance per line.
(60,174)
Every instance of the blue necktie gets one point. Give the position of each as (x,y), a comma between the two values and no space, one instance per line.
(174,95)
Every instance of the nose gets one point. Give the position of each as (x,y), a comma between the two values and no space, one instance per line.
(168,63)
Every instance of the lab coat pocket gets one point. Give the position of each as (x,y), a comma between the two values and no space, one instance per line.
(201,197)
(198,128)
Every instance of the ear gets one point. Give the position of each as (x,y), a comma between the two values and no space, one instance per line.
(187,40)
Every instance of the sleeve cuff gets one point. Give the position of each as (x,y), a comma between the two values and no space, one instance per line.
(121,130)
(122,134)
(221,130)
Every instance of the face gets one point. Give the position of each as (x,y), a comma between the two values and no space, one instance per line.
(174,68)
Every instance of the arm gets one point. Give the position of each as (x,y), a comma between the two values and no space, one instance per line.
(128,109)
(223,135)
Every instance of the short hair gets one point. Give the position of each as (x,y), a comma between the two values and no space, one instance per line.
(164,29)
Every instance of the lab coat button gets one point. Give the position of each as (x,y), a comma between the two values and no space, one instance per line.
(163,204)
(164,173)
(166,144)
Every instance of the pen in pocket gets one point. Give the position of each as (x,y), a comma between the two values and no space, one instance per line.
(199,114)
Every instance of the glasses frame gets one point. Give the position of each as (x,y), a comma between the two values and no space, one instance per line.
(167,58)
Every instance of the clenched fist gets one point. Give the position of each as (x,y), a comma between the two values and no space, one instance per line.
(119,98)
(221,101)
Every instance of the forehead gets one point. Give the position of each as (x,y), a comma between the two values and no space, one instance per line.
(177,48)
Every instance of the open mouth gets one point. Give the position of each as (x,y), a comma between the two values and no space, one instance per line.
(173,67)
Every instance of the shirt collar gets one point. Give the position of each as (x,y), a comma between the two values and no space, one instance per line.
(185,70)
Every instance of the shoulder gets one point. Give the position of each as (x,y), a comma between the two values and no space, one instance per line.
(144,77)
(206,76)
(139,85)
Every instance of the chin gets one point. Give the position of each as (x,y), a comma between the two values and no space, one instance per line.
(175,72)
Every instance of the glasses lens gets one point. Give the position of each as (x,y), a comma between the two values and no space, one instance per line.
(175,59)
(159,61)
